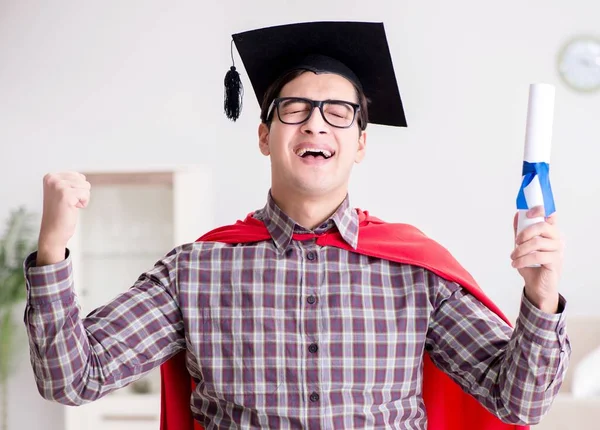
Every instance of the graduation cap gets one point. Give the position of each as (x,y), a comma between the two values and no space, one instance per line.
(357,51)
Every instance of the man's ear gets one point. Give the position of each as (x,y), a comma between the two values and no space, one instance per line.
(362,147)
(263,139)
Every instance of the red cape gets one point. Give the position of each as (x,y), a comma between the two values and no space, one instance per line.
(448,407)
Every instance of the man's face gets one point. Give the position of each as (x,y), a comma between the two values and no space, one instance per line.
(297,173)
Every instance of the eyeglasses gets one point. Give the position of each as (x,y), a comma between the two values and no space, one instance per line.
(296,110)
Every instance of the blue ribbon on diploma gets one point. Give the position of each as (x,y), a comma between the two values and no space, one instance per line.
(542,171)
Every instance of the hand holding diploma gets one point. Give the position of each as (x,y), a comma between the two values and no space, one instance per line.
(538,252)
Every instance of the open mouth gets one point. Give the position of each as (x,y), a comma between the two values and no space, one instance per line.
(314,153)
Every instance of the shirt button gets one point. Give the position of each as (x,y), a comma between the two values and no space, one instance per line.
(311,300)
(314,397)
(322,226)
(313,348)
(311,255)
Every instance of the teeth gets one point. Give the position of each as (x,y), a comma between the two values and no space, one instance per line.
(301,151)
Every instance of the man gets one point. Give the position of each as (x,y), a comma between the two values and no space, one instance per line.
(308,313)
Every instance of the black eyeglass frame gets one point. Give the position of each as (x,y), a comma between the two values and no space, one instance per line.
(314,104)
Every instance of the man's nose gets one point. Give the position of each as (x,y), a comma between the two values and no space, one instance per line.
(315,124)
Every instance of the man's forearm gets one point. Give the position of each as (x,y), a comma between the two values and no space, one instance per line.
(535,362)
(515,374)
(76,361)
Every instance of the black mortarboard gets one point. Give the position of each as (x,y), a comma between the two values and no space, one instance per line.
(356,50)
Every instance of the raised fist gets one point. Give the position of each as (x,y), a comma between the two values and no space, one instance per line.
(64,194)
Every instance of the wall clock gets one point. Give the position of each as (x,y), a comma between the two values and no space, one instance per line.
(579,64)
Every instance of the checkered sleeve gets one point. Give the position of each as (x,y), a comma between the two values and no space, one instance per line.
(515,374)
(76,360)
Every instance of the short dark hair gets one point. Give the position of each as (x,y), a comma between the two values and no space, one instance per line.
(275,88)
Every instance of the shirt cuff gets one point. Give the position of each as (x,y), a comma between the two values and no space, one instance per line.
(541,327)
(47,284)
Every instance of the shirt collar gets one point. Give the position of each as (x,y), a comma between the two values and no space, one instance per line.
(281,227)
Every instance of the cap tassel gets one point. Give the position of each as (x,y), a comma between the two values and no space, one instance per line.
(234,91)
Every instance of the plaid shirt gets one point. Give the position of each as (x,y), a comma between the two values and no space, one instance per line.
(288,334)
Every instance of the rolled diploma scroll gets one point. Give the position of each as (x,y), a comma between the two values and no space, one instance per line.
(538,143)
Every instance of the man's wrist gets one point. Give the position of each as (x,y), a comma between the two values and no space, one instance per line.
(49,253)
(548,303)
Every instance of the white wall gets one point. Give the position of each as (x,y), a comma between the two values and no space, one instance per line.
(139,84)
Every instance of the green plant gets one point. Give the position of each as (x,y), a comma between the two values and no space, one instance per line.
(16,243)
